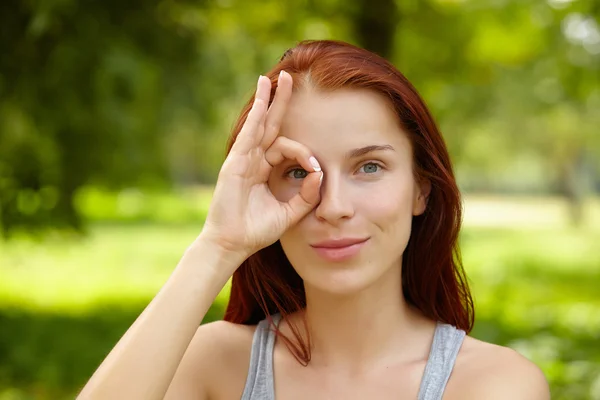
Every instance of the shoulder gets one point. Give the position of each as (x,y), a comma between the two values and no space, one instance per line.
(485,370)
(219,353)
(224,338)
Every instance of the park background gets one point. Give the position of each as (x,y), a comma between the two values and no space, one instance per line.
(113,121)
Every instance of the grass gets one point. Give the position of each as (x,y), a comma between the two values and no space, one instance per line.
(65,301)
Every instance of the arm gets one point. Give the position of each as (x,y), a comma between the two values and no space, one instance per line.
(243,218)
(144,361)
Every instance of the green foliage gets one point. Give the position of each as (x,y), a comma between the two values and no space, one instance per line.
(133,205)
(104,105)
(65,301)
(144,93)
(536,291)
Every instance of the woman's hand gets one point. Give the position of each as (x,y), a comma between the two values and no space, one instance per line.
(244,216)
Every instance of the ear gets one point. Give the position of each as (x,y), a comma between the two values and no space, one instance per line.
(422,192)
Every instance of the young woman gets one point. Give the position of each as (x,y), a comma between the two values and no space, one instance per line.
(337,213)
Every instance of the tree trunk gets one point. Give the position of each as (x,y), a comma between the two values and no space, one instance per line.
(375,25)
(573,186)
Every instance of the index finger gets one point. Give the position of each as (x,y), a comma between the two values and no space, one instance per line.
(251,133)
(277,109)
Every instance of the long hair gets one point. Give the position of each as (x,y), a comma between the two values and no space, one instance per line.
(433,279)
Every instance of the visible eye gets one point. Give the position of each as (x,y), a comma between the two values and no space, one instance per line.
(368,168)
(296,173)
(371,167)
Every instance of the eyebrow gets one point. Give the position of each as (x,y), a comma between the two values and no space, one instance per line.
(368,149)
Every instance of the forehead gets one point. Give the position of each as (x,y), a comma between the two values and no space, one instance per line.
(340,119)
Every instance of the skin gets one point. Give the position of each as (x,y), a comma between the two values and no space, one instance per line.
(359,199)
(367,342)
(375,196)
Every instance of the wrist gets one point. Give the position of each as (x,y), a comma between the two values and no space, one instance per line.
(203,271)
(221,256)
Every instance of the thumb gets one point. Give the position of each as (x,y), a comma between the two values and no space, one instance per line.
(306,199)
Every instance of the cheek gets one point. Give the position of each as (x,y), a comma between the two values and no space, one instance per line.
(387,205)
(390,211)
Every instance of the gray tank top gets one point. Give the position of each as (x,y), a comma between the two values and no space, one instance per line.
(447,341)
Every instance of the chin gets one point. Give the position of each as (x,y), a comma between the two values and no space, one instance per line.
(339,280)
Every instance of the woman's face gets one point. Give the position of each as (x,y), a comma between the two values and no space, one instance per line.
(369,192)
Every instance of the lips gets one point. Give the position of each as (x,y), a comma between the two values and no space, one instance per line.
(338,243)
(338,250)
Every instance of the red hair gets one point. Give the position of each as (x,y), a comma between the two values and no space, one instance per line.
(433,279)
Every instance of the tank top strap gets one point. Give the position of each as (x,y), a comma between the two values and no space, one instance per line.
(447,341)
(259,383)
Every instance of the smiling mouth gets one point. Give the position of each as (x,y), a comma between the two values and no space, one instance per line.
(340,250)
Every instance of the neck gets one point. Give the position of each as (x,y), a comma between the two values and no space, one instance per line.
(366,328)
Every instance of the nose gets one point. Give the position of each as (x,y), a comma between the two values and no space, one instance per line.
(336,201)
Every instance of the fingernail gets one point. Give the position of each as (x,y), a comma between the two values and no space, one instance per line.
(280,74)
(315,164)
(259,77)
(321,178)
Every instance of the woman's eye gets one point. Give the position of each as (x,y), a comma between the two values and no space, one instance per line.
(370,167)
(297,173)
(367,168)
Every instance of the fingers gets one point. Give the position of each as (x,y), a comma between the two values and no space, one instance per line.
(308,196)
(284,148)
(263,123)
(306,199)
(277,109)
(252,132)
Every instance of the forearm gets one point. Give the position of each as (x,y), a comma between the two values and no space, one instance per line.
(144,361)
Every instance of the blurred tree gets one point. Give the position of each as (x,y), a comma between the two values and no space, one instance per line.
(143,93)
(82,89)
(515,86)
(375,24)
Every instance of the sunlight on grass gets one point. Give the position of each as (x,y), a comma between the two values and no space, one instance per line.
(131,262)
(115,263)
(65,301)
(526,212)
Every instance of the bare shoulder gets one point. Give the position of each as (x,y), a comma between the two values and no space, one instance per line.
(219,353)
(487,371)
